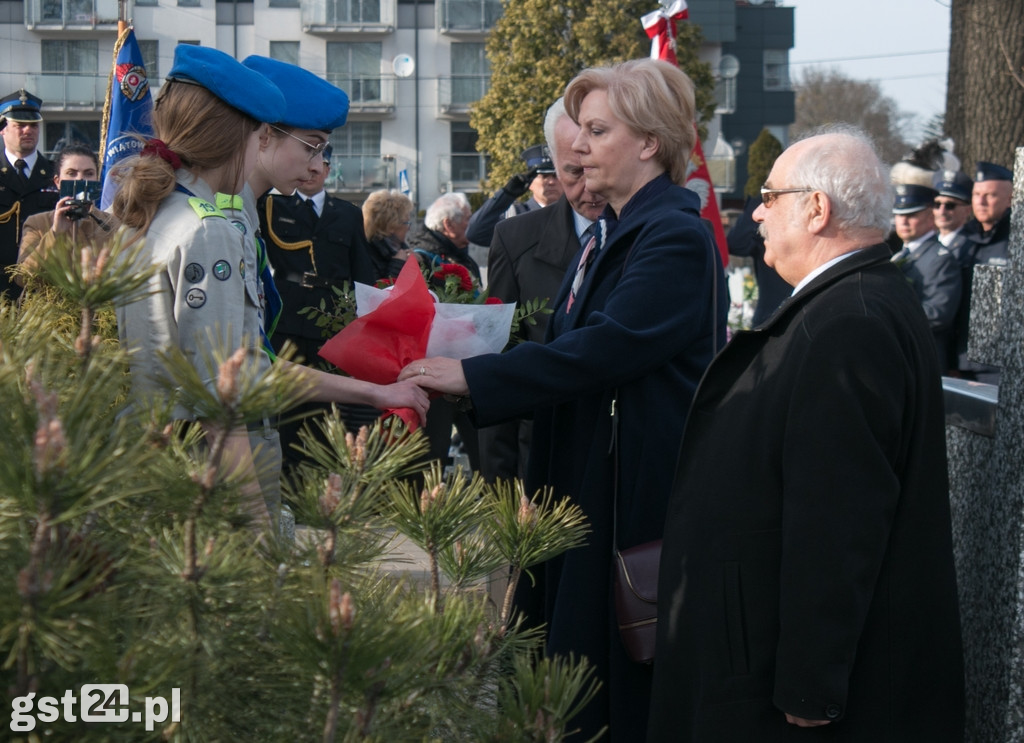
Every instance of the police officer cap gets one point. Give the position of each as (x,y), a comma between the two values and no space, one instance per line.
(231,81)
(991,172)
(21,106)
(912,198)
(538,158)
(310,101)
(954,184)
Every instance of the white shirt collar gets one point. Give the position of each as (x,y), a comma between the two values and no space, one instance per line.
(821,269)
(949,236)
(30,161)
(580,223)
(318,201)
(915,244)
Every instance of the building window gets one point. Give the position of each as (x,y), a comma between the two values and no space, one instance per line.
(471,73)
(469,15)
(188,41)
(189,3)
(150,49)
(347,12)
(58,134)
(355,68)
(70,56)
(776,69)
(468,165)
(356,164)
(285,51)
(147,2)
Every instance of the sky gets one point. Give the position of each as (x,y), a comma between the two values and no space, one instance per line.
(901,44)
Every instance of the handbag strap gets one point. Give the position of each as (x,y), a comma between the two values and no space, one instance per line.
(613,444)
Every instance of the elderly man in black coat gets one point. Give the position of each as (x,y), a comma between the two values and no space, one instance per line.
(807,592)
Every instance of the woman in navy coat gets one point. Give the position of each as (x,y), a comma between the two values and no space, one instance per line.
(642,324)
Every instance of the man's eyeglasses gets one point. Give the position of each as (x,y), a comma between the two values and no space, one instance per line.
(314,149)
(768,195)
(945,205)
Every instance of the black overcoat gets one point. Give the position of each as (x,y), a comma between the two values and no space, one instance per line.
(642,324)
(807,563)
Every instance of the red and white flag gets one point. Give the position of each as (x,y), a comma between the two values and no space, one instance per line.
(660,26)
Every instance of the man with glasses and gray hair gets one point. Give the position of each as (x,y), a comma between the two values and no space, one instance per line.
(811,585)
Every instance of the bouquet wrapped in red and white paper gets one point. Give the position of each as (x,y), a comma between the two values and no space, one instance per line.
(405,322)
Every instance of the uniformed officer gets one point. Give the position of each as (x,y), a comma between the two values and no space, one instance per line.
(929,266)
(988,235)
(26,177)
(208,282)
(952,208)
(540,180)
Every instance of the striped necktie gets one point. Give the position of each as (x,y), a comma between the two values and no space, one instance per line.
(589,252)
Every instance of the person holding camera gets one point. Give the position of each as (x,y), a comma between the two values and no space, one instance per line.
(76,215)
(539,179)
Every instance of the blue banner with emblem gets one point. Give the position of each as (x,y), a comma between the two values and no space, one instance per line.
(129,110)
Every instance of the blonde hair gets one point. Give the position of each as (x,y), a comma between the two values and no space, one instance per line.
(653,98)
(384,212)
(197,126)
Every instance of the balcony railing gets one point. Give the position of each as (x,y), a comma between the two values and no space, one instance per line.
(456,93)
(76,14)
(68,91)
(348,15)
(467,16)
(463,170)
(360,173)
(367,92)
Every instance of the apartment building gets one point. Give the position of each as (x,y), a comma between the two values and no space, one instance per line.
(412,69)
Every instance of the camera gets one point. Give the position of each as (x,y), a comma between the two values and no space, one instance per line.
(83,194)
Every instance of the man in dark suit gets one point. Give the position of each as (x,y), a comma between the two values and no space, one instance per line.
(930,267)
(529,256)
(808,593)
(314,242)
(26,177)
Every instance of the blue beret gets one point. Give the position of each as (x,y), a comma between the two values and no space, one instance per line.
(954,184)
(538,157)
(21,106)
(310,101)
(912,198)
(232,82)
(991,172)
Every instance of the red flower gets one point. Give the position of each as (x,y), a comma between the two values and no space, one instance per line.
(493,300)
(385,282)
(454,269)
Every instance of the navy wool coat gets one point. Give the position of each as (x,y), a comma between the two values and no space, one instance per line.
(814,574)
(642,324)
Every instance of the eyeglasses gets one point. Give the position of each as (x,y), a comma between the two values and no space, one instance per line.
(314,149)
(946,205)
(768,195)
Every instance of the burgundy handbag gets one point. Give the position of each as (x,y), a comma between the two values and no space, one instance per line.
(636,598)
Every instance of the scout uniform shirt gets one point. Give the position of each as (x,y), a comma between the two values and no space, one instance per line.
(207,289)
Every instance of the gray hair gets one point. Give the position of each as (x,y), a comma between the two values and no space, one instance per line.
(555,112)
(845,165)
(451,206)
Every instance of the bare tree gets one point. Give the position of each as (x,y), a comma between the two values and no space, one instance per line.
(984,101)
(827,96)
